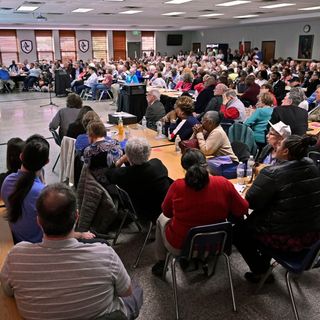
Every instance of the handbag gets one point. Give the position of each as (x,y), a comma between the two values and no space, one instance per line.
(223,166)
(188,144)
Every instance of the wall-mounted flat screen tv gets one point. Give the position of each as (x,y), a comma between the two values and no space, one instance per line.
(174,40)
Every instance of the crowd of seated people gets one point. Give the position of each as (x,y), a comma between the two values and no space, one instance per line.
(48,215)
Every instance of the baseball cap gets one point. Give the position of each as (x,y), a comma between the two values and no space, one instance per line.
(283,129)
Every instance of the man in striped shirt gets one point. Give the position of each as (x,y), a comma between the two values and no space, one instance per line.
(61,278)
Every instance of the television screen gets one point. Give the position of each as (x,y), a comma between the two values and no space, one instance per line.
(174,40)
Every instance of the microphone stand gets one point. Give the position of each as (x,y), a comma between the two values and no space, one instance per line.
(50,99)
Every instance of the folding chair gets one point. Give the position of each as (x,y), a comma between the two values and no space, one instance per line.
(57,140)
(128,210)
(294,263)
(203,242)
(107,92)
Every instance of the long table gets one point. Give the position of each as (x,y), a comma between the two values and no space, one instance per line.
(136,130)
(315,128)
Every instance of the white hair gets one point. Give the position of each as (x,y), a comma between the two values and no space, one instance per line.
(155,93)
(138,150)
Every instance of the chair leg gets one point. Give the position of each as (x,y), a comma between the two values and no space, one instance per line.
(294,307)
(143,246)
(120,228)
(175,289)
(265,277)
(101,95)
(166,266)
(54,166)
(231,282)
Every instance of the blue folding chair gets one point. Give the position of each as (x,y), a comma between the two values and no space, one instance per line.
(203,242)
(294,263)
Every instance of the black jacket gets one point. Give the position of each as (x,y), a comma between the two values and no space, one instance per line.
(279,90)
(286,199)
(295,117)
(146,184)
(203,98)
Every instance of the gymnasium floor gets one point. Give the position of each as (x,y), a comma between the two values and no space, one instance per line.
(200,298)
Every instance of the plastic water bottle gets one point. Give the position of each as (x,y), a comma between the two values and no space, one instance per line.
(120,127)
(144,122)
(250,165)
(159,129)
(240,172)
(176,142)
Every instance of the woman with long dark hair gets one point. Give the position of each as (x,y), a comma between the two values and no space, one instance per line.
(20,190)
(198,199)
(14,149)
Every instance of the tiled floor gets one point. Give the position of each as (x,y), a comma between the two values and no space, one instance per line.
(200,298)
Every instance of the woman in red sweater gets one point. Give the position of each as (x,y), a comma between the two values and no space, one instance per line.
(196,200)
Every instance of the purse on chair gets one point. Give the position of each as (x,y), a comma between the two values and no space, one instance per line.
(188,144)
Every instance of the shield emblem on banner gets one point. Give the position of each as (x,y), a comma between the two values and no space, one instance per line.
(83,45)
(26,46)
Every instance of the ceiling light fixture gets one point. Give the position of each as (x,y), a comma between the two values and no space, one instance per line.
(232,3)
(279,5)
(27,8)
(309,8)
(211,15)
(246,16)
(173,13)
(177,1)
(82,10)
(130,12)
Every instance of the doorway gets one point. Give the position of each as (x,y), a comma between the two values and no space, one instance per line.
(134,50)
(268,49)
(196,47)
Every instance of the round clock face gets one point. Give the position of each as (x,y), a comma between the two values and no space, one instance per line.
(306,28)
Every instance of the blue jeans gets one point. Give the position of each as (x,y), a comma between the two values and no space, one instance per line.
(98,86)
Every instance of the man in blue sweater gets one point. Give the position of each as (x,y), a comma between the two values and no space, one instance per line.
(5,79)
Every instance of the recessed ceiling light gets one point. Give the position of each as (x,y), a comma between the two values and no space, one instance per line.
(211,15)
(173,13)
(130,12)
(82,10)
(177,1)
(232,3)
(279,5)
(246,16)
(27,8)
(310,8)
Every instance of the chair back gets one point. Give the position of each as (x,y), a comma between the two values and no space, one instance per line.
(241,150)
(315,157)
(56,137)
(241,132)
(208,240)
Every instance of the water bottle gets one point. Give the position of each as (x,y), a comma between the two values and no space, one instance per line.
(240,172)
(159,129)
(144,122)
(176,142)
(250,165)
(120,127)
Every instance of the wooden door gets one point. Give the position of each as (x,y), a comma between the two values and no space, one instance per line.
(268,50)
(196,47)
(119,45)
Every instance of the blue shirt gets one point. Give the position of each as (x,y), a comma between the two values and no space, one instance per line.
(4,74)
(132,79)
(26,227)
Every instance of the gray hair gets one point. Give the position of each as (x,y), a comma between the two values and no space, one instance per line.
(138,150)
(155,93)
(213,116)
(230,93)
(295,96)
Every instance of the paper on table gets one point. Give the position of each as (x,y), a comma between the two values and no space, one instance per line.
(122,114)
(240,187)
(108,125)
